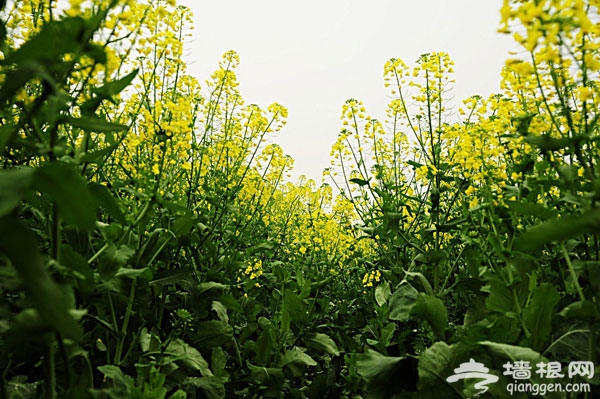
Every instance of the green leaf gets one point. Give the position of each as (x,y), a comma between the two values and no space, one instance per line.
(122,383)
(211,287)
(7,132)
(531,209)
(113,259)
(20,246)
(358,181)
(43,53)
(433,310)
(547,143)
(14,187)
(586,310)
(296,356)
(293,309)
(385,376)
(94,124)
(435,365)
(560,229)
(107,92)
(538,314)
(402,302)
(265,345)
(218,361)
(189,355)
(44,46)
(514,353)
(382,293)
(296,361)
(220,310)
(105,199)
(373,364)
(501,299)
(65,186)
(113,88)
(422,279)
(386,336)
(212,387)
(212,333)
(269,376)
(321,342)
(133,274)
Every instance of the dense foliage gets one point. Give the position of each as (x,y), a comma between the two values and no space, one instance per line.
(152,245)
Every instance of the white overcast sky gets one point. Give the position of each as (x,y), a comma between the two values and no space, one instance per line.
(312,55)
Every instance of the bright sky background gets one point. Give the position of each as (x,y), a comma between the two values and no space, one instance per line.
(312,55)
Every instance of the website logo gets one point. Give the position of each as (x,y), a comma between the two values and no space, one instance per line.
(521,373)
(472,369)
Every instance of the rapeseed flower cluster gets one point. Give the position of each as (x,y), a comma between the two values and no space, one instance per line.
(371,278)
(254,269)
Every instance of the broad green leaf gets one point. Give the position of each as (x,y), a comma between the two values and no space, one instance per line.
(44,46)
(123,383)
(298,357)
(501,299)
(387,334)
(423,280)
(560,229)
(14,187)
(293,309)
(212,333)
(189,355)
(183,224)
(218,362)
(113,259)
(321,342)
(514,353)
(402,301)
(105,199)
(538,314)
(20,246)
(79,267)
(211,286)
(296,361)
(220,310)
(107,92)
(435,365)
(386,376)
(94,124)
(133,274)
(360,182)
(41,53)
(547,143)
(7,131)
(179,394)
(181,277)
(531,209)
(265,345)
(587,310)
(371,365)
(110,89)
(73,198)
(212,387)
(272,377)
(98,156)
(382,293)
(433,310)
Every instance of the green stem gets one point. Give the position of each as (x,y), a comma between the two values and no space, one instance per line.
(123,335)
(65,359)
(572,272)
(50,374)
